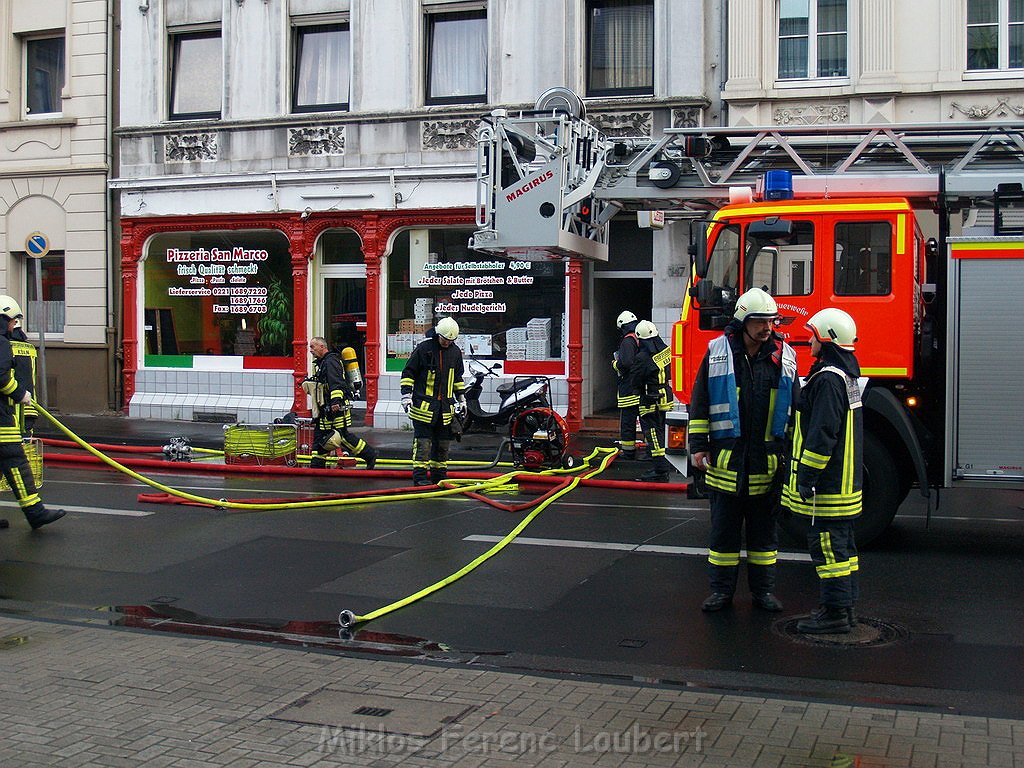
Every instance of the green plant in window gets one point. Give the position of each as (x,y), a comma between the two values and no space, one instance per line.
(274,324)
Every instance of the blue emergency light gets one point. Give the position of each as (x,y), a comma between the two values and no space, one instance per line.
(778,185)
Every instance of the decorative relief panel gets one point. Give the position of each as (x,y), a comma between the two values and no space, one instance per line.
(1001,108)
(624,124)
(687,117)
(190,147)
(439,135)
(811,114)
(316,141)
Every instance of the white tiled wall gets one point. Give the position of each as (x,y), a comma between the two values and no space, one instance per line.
(252,397)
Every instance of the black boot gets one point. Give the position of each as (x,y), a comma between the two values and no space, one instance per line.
(318,462)
(716,601)
(437,475)
(827,620)
(652,476)
(419,477)
(369,455)
(38,516)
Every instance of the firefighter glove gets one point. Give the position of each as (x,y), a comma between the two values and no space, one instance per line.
(406,402)
(806,492)
(26,398)
(460,407)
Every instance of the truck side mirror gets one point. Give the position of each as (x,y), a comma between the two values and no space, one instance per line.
(699,247)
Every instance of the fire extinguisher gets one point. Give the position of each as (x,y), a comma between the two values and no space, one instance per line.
(352,372)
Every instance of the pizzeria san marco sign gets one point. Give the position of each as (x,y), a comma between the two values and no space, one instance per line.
(224,273)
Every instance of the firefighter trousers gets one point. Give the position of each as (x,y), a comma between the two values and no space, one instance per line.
(652,424)
(834,554)
(627,427)
(18,473)
(430,451)
(729,514)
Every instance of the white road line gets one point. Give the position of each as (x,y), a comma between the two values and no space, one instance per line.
(653,549)
(99,511)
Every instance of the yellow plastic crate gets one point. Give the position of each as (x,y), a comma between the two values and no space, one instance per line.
(34,453)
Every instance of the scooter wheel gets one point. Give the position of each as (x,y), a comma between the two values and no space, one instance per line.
(569,461)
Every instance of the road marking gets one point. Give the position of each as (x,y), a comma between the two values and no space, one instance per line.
(99,511)
(653,549)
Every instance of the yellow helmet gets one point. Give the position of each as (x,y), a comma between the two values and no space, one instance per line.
(756,303)
(10,308)
(447,328)
(835,326)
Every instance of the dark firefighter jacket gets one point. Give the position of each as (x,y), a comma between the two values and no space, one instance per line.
(11,393)
(649,375)
(434,377)
(828,439)
(626,393)
(335,389)
(746,464)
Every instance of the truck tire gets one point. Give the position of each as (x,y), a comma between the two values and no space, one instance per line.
(882,496)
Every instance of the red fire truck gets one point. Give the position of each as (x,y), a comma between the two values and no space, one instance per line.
(836,218)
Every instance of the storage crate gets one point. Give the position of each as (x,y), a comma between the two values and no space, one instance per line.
(34,453)
(260,444)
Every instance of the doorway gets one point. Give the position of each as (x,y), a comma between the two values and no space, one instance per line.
(611,296)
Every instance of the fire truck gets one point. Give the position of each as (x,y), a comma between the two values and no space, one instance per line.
(916,230)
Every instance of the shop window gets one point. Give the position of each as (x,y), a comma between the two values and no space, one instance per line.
(51,282)
(620,47)
(506,310)
(457,57)
(197,82)
(784,266)
(321,68)
(813,39)
(218,293)
(995,34)
(44,75)
(863,258)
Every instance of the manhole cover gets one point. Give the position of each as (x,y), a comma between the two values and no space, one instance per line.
(866,633)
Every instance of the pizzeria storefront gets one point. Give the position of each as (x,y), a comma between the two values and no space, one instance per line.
(218,310)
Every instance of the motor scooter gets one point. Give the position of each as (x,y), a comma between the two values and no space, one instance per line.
(516,396)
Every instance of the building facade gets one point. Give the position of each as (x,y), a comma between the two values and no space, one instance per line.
(54,215)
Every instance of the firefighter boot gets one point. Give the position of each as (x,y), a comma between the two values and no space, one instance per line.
(766,601)
(827,620)
(369,455)
(716,601)
(653,476)
(318,462)
(38,515)
(437,475)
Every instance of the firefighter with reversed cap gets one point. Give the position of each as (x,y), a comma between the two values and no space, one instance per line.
(14,396)
(626,396)
(650,380)
(432,394)
(332,398)
(740,424)
(824,481)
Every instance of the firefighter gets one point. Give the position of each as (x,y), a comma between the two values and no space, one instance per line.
(25,372)
(332,397)
(626,398)
(432,395)
(14,397)
(740,422)
(650,381)
(824,482)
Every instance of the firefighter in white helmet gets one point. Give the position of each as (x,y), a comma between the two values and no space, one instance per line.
(14,396)
(825,478)
(432,395)
(627,398)
(740,425)
(650,380)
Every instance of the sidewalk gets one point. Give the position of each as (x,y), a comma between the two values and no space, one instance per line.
(79,695)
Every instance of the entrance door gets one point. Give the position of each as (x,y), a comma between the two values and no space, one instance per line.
(344,314)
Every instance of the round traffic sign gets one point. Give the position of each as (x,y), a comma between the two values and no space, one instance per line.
(37,245)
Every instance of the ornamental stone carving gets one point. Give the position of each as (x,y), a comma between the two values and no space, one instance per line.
(624,124)
(687,117)
(448,135)
(316,141)
(1002,108)
(811,114)
(190,147)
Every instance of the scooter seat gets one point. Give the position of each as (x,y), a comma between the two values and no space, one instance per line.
(513,386)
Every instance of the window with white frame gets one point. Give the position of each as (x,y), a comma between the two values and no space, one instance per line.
(321,68)
(456,56)
(995,34)
(620,47)
(197,80)
(44,75)
(813,39)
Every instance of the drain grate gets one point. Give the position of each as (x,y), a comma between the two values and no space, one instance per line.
(630,643)
(373,711)
(866,633)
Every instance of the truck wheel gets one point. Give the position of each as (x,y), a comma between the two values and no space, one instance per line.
(881,498)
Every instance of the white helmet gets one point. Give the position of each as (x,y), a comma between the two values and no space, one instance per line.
(10,308)
(835,326)
(447,328)
(624,317)
(645,329)
(756,303)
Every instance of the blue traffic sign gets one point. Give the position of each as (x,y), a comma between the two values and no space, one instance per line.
(37,245)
